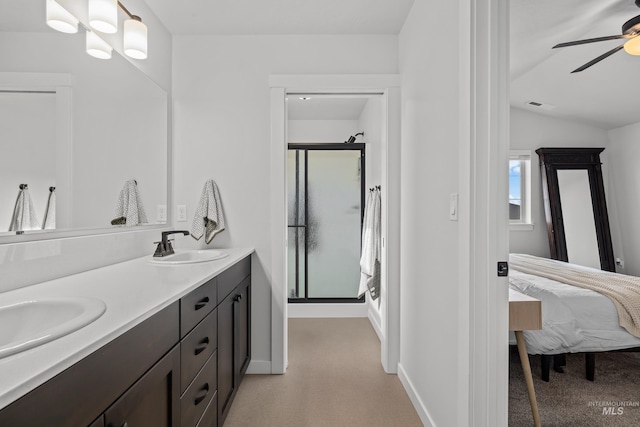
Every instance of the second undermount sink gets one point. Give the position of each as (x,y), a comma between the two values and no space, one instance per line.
(190,257)
(30,323)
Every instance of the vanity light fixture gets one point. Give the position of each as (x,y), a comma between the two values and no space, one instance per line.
(60,19)
(97,47)
(135,38)
(103,18)
(103,15)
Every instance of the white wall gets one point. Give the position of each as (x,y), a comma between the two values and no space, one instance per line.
(430,311)
(624,152)
(530,131)
(222,132)
(326,131)
(370,123)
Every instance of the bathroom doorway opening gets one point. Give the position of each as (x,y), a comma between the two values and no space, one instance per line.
(325,193)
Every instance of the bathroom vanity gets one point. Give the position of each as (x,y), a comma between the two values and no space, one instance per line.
(170,350)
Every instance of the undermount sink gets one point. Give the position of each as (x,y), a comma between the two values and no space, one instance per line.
(189,257)
(30,323)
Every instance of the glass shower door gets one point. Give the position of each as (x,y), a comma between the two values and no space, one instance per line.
(325,193)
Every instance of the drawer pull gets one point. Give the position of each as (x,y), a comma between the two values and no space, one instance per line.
(202,346)
(202,395)
(204,301)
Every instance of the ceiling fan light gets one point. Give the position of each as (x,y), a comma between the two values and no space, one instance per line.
(632,47)
(60,19)
(97,47)
(103,15)
(135,38)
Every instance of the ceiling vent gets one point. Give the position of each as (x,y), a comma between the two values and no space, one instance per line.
(535,104)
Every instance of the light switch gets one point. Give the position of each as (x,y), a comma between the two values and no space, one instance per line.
(453,207)
(182,213)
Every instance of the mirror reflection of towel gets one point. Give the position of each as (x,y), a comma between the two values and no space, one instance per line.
(129,210)
(209,219)
(49,221)
(24,215)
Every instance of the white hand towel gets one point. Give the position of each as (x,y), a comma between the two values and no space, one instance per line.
(24,215)
(49,221)
(129,210)
(371,251)
(208,219)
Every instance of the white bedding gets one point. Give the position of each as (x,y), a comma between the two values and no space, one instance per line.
(574,320)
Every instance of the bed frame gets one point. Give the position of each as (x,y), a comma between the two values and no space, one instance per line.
(560,360)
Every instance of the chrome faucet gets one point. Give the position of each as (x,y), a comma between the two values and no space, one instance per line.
(164,247)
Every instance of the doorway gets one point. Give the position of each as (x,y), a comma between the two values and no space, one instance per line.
(325,192)
(386,87)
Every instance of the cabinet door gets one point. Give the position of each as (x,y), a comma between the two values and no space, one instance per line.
(225,356)
(242,319)
(154,400)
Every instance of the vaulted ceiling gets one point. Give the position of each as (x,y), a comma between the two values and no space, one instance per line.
(603,95)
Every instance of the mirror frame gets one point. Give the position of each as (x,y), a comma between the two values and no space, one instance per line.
(554,159)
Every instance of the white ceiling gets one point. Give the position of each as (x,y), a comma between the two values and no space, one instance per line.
(282,16)
(325,107)
(604,95)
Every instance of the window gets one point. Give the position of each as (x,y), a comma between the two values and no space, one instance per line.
(520,187)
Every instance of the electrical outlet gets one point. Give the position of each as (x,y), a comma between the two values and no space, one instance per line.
(161,213)
(182,213)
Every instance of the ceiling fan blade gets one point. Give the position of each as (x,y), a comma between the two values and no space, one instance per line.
(597,39)
(598,59)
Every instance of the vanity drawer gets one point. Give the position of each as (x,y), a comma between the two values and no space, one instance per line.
(196,398)
(210,416)
(196,305)
(231,278)
(197,347)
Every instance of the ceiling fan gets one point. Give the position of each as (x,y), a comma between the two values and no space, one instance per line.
(630,31)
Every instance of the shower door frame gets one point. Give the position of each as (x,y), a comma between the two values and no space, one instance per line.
(324,146)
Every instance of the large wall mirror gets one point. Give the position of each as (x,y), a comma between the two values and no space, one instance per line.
(575,206)
(75,125)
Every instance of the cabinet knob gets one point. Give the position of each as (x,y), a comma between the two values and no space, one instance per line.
(202,395)
(200,304)
(202,346)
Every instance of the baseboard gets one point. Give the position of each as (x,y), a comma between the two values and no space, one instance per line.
(374,318)
(259,367)
(413,395)
(301,310)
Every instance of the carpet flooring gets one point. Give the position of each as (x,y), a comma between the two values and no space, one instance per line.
(569,400)
(334,379)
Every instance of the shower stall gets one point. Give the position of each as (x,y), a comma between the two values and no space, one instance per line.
(325,190)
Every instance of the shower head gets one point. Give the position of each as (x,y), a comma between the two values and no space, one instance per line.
(352,138)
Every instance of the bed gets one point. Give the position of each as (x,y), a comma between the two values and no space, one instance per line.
(574,319)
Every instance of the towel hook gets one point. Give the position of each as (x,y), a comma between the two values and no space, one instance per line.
(52,189)
(24,186)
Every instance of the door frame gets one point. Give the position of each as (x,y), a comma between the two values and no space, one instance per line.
(388,85)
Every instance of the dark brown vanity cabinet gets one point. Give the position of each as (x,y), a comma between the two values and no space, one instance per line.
(180,367)
(234,333)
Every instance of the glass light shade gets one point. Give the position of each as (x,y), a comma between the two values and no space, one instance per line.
(60,19)
(632,47)
(103,15)
(97,47)
(135,39)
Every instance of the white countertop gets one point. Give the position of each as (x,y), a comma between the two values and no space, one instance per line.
(132,291)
